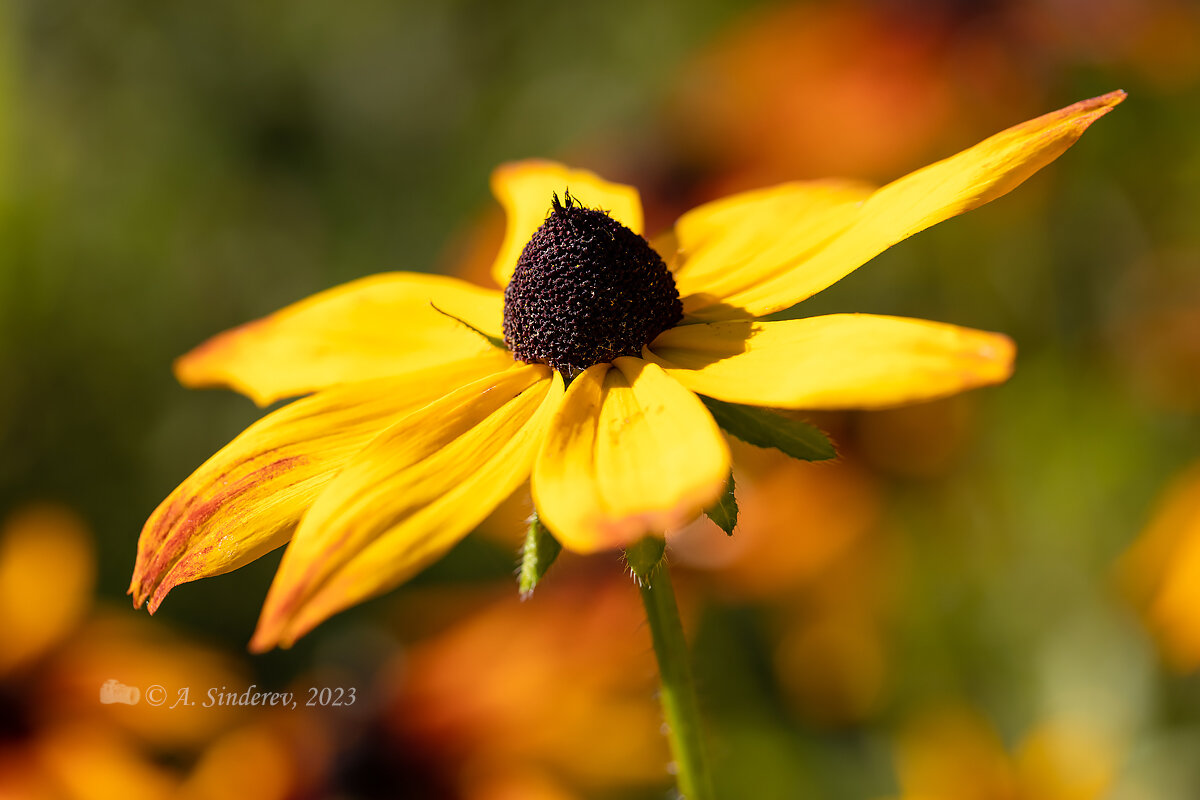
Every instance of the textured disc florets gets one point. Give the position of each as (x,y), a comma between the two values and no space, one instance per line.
(586,290)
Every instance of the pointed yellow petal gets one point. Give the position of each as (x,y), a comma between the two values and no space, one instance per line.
(733,244)
(376,327)
(629,452)
(244,501)
(408,498)
(913,203)
(835,361)
(525,188)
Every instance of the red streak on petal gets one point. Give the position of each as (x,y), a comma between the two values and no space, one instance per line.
(186,519)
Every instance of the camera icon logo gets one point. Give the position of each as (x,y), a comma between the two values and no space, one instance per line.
(113,691)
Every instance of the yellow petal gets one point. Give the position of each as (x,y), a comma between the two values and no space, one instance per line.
(525,188)
(409,497)
(731,245)
(375,327)
(835,361)
(244,501)
(629,452)
(915,202)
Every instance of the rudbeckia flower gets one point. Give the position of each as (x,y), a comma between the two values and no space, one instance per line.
(429,400)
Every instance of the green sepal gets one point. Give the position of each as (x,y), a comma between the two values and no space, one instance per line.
(644,557)
(763,428)
(537,554)
(724,512)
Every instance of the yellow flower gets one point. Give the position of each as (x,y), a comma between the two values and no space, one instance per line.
(419,422)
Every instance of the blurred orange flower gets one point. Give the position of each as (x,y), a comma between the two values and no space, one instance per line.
(1157,329)
(809,547)
(957,755)
(58,739)
(554,696)
(776,95)
(795,518)
(42,545)
(1161,572)
(832,655)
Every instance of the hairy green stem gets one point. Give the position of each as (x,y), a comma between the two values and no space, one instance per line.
(680,707)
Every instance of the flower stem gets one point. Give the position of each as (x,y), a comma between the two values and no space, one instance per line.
(678,695)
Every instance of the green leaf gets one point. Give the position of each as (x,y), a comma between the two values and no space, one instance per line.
(763,428)
(537,554)
(724,512)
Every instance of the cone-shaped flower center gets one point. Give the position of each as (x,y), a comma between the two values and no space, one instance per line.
(586,290)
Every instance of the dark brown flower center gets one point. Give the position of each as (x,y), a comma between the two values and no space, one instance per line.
(586,290)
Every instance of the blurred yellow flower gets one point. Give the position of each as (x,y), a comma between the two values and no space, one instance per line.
(1161,573)
(420,423)
(956,755)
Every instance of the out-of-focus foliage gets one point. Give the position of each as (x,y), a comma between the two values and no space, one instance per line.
(168,170)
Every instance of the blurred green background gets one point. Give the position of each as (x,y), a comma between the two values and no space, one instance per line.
(169,170)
